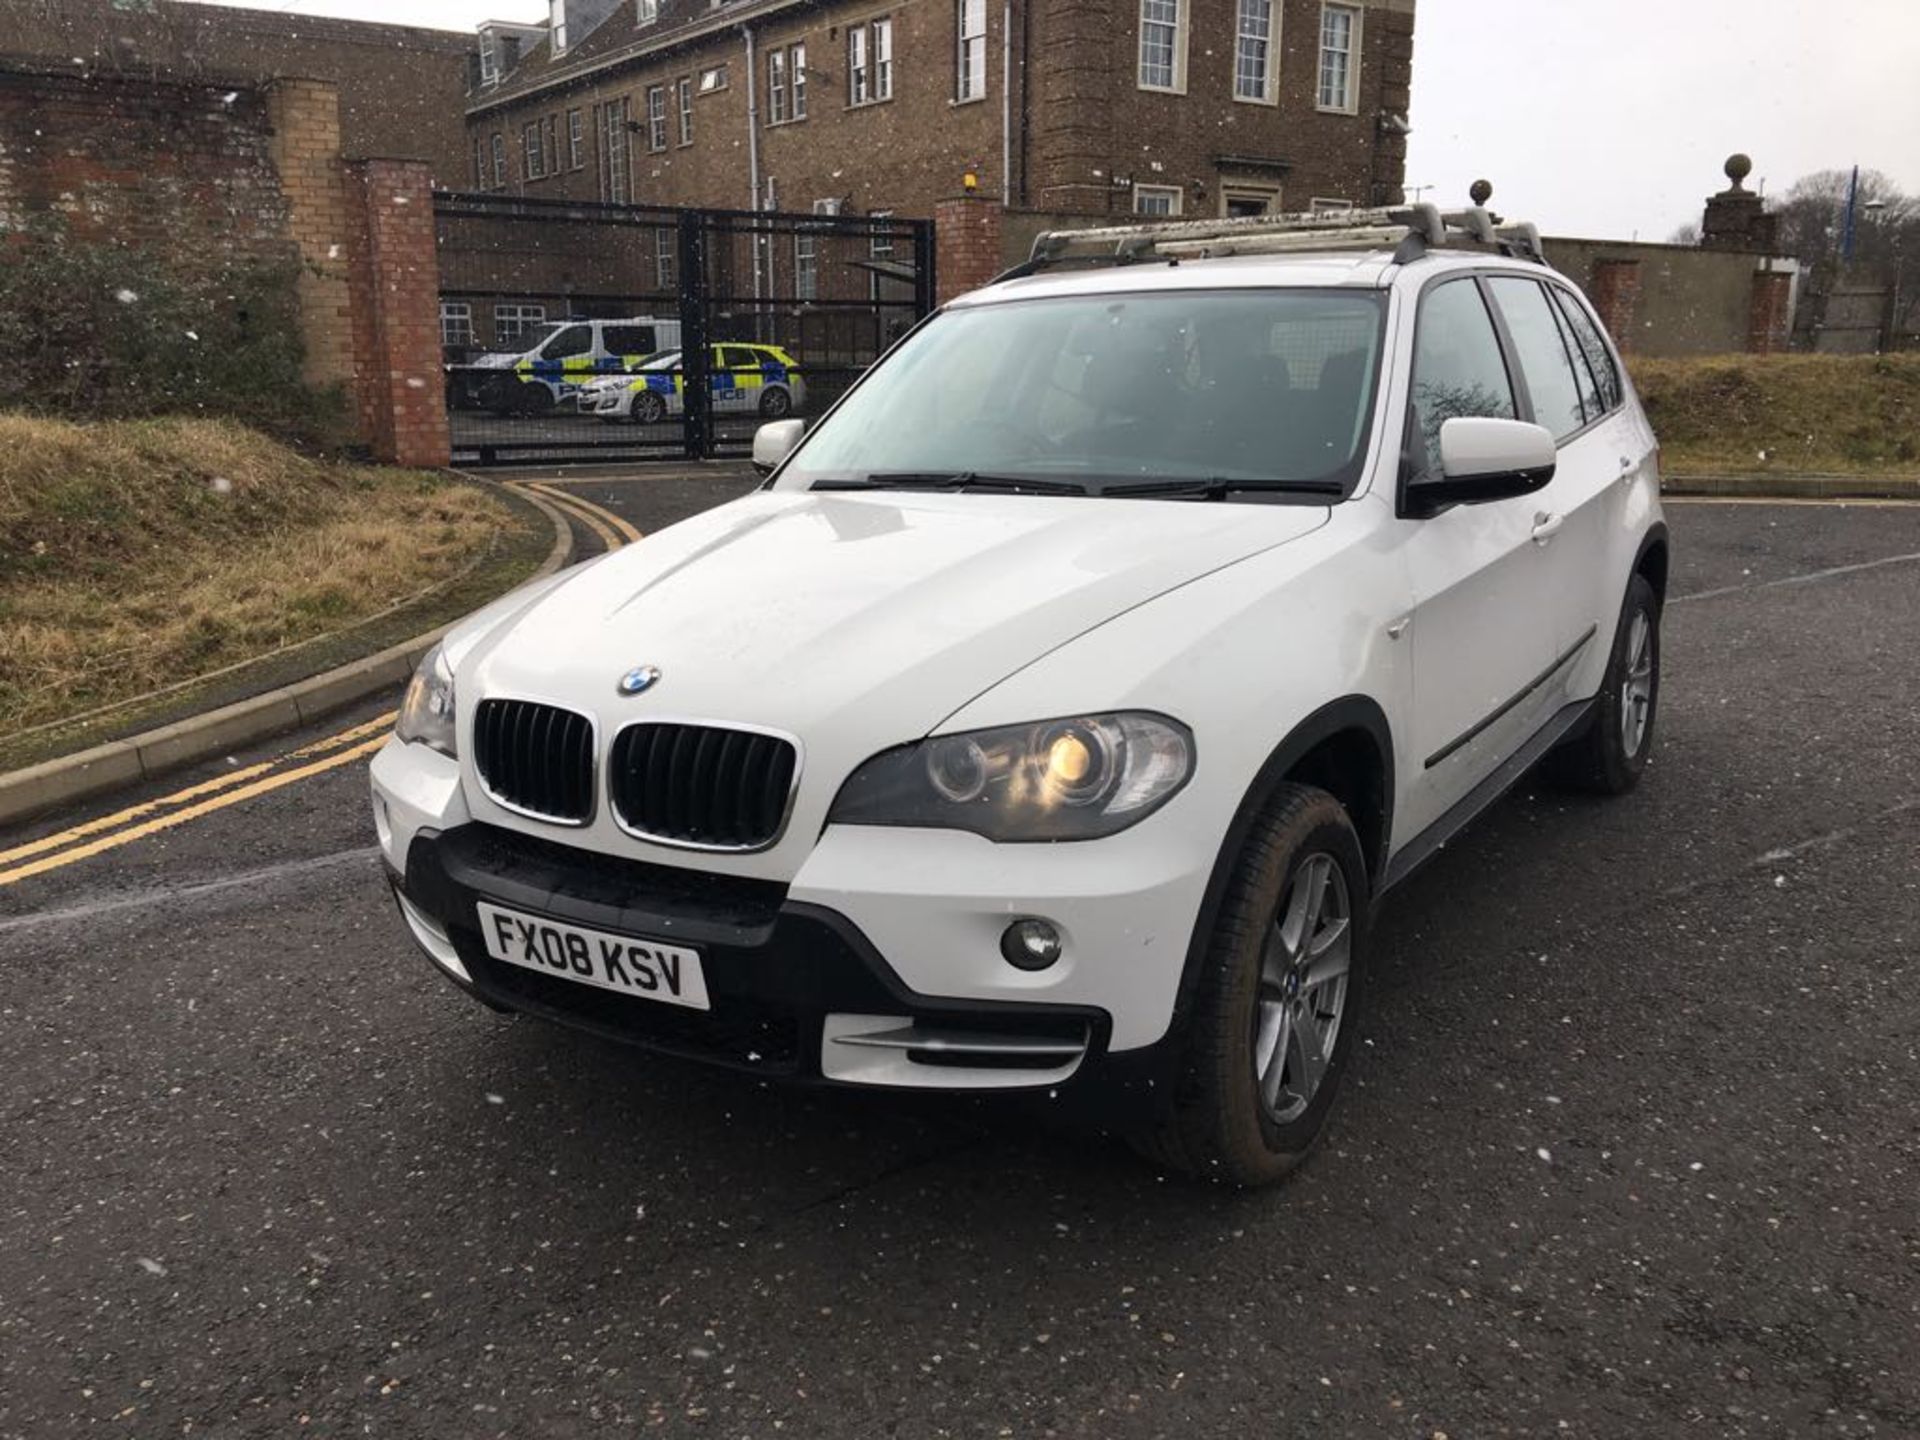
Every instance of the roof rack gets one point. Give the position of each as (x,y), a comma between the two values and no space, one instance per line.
(1411,229)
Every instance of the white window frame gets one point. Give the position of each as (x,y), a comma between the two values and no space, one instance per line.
(713,79)
(1327,205)
(1266,64)
(499,161)
(550,143)
(806,265)
(532,162)
(665,261)
(576,139)
(1176,83)
(859,72)
(870,62)
(479,162)
(778,112)
(1171,193)
(969,51)
(557,26)
(1268,195)
(797,74)
(656,118)
(489,61)
(456,322)
(879,247)
(683,96)
(645,12)
(615,161)
(512,320)
(882,58)
(1347,102)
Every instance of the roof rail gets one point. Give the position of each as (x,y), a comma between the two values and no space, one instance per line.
(1411,230)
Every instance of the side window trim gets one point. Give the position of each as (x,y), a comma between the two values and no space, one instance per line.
(1582,368)
(1516,381)
(1613,396)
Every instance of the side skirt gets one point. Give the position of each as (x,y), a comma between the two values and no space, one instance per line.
(1424,846)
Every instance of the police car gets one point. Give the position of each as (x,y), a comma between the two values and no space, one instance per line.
(568,354)
(744,378)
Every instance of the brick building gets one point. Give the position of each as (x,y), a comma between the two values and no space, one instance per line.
(402,88)
(1194,107)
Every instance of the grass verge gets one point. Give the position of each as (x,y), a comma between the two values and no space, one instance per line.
(135,555)
(1792,414)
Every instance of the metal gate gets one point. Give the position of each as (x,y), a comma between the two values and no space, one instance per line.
(577,332)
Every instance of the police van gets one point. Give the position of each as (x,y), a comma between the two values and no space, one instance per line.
(566,356)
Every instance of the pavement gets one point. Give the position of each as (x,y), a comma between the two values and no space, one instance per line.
(1629,1147)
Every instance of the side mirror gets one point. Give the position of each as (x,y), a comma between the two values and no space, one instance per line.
(1485,459)
(776,440)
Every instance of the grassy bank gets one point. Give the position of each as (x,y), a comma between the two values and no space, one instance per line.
(1795,414)
(137,554)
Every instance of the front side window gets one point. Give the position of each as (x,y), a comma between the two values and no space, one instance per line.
(1339,46)
(656,117)
(1253,52)
(1457,368)
(456,322)
(1162,26)
(686,110)
(567,342)
(970,50)
(1541,352)
(1156,200)
(1259,387)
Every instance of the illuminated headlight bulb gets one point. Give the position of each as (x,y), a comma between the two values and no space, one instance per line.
(1068,761)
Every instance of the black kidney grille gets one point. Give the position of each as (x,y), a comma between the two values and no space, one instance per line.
(536,758)
(726,789)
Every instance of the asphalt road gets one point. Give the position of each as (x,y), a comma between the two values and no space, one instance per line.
(1629,1150)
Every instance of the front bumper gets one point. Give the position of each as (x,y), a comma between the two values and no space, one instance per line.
(797,990)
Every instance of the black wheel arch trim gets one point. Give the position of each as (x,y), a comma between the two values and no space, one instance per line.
(1349,712)
(1656,538)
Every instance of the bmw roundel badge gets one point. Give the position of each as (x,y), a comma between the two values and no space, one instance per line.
(639,680)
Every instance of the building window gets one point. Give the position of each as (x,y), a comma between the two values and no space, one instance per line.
(1253,52)
(714,79)
(1321,205)
(1249,199)
(970,50)
(870,62)
(499,161)
(614,117)
(806,265)
(513,322)
(479,163)
(1156,199)
(550,143)
(531,158)
(656,117)
(797,67)
(685,90)
(645,12)
(557,24)
(879,247)
(489,60)
(1339,50)
(456,322)
(1163,45)
(663,260)
(777,96)
(576,140)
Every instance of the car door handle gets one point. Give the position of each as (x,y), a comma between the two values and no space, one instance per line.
(1546,526)
(1627,469)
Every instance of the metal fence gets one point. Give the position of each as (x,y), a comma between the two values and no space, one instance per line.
(577,332)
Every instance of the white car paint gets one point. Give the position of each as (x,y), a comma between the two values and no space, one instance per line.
(857,622)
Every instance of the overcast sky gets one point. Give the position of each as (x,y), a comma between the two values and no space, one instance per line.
(1592,117)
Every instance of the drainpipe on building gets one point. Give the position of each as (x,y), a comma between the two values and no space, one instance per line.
(1006,103)
(753,178)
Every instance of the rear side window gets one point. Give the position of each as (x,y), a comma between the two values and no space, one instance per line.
(1542,353)
(630,340)
(1457,369)
(1587,336)
(732,357)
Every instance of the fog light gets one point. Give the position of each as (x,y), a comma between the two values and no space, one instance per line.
(1030,944)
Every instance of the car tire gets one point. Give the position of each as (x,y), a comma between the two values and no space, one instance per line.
(1609,754)
(776,401)
(1231,1118)
(648,408)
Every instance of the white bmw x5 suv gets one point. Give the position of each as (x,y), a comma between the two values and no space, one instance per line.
(1060,709)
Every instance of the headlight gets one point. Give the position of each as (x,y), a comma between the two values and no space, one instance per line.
(426,714)
(1072,779)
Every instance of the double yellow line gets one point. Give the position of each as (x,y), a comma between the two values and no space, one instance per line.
(136,822)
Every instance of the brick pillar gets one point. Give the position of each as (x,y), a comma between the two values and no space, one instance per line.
(305,116)
(395,292)
(1769,312)
(966,238)
(1615,293)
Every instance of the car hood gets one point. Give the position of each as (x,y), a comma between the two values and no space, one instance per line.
(863,619)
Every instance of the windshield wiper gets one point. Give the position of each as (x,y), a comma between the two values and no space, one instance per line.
(1218,487)
(955,480)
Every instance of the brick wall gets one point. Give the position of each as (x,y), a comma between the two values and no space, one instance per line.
(1770,318)
(305,146)
(966,232)
(1615,292)
(394,293)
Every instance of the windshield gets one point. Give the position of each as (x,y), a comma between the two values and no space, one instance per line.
(1270,387)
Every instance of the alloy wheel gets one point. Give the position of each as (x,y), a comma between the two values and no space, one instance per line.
(1636,687)
(1303,988)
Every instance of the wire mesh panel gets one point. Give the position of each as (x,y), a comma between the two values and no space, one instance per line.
(588,332)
